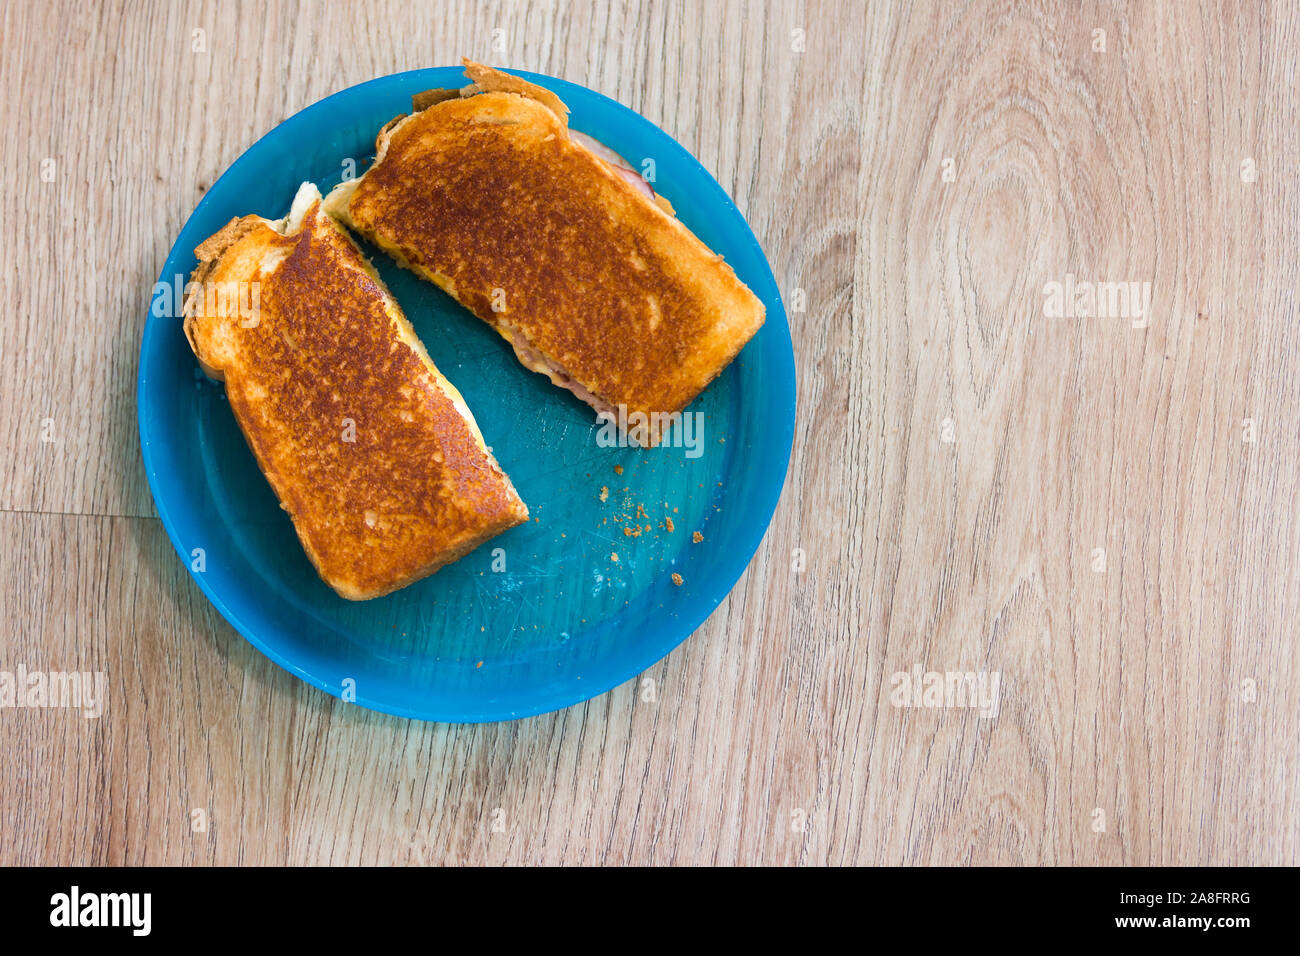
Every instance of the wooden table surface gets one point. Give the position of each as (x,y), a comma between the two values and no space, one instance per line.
(1100,510)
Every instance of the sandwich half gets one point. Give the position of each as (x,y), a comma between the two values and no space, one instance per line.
(370,450)
(557,243)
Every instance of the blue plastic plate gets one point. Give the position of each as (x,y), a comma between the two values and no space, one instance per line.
(563,621)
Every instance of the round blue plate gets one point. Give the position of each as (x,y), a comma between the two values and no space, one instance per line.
(562,621)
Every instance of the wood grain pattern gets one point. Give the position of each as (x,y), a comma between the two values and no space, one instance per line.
(960,456)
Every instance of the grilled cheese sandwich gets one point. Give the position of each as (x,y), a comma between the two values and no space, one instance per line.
(554,241)
(369,448)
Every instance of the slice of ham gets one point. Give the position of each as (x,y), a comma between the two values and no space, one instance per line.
(530,358)
(621,165)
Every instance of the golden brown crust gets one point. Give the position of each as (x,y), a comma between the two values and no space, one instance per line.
(388,127)
(365,444)
(487,80)
(489,193)
(421,101)
(212,247)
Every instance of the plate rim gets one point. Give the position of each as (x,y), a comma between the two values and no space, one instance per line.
(668,633)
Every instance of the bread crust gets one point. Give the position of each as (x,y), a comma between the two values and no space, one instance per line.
(488,192)
(368,448)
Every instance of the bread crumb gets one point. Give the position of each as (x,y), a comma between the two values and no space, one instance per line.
(668,523)
(480,664)
(697,537)
(604,492)
(618,469)
(614,557)
(677,579)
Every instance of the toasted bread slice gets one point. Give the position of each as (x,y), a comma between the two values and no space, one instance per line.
(368,447)
(553,243)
